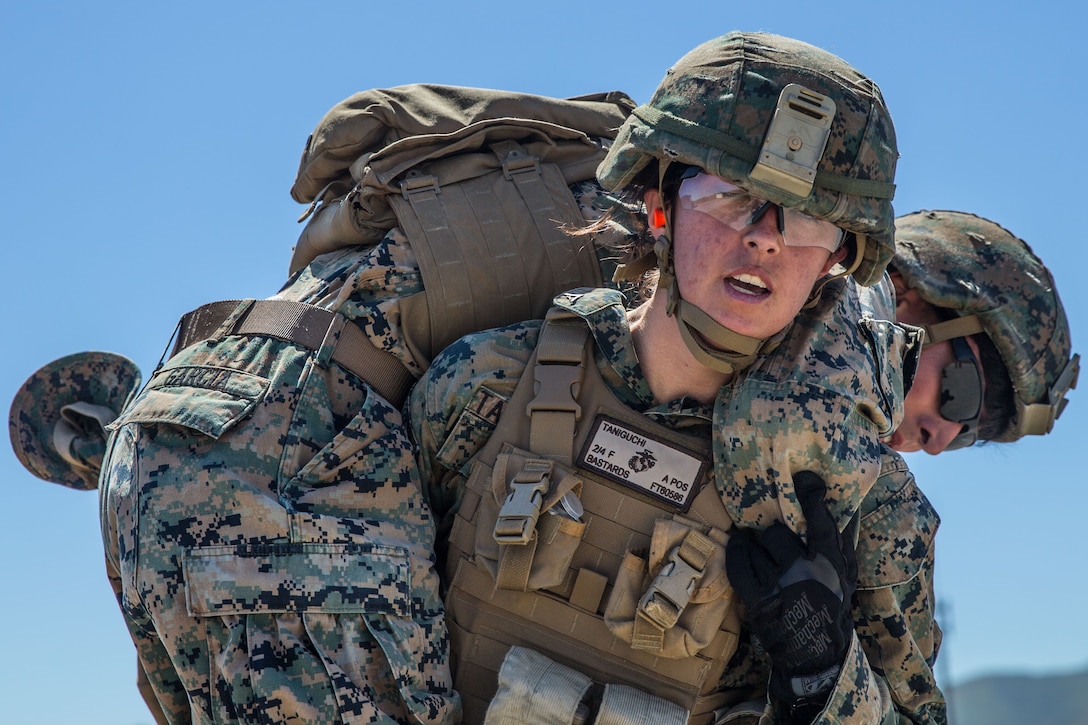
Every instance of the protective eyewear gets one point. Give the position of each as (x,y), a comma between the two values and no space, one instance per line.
(734,207)
(961,393)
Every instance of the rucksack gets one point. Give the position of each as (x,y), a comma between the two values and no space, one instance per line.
(477,179)
(479,182)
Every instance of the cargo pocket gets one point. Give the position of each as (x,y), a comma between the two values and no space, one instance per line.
(209,400)
(320,608)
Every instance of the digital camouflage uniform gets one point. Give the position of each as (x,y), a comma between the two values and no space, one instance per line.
(453,412)
(264,528)
(821,402)
(263,523)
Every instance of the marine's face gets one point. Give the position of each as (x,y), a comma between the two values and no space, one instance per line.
(924,428)
(746,279)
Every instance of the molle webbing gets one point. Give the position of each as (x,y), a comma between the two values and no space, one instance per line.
(492,248)
(566,622)
(479,182)
(308,326)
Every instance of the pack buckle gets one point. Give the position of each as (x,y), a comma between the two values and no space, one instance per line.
(517,518)
(670,591)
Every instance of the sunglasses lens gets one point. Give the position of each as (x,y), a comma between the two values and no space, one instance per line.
(961,398)
(803,230)
(963,440)
(732,206)
(961,393)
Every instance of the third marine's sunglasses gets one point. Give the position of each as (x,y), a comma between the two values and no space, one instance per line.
(736,208)
(961,393)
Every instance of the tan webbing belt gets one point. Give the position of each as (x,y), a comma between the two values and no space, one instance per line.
(304,325)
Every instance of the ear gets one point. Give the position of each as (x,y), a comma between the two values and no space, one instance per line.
(834,258)
(655,212)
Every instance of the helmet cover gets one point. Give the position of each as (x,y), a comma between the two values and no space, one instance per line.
(972,266)
(714,109)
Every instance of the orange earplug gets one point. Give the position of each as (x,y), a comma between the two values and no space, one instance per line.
(657,217)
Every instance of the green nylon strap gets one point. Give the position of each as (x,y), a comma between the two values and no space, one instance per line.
(701,134)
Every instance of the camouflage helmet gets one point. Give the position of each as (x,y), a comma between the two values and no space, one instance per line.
(58,416)
(994,283)
(714,110)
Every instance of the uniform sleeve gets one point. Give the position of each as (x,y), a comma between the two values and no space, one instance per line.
(821,401)
(888,675)
(894,615)
(455,406)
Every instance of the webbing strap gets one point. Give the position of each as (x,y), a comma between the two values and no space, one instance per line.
(304,325)
(1038,418)
(956,327)
(515,564)
(553,414)
(554,411)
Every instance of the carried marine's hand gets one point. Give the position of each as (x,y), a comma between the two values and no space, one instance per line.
(798,598)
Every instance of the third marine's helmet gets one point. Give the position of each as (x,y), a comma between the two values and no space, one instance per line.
(782,119)
(992,282)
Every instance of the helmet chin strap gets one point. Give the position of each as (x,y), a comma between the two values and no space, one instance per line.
(711,343)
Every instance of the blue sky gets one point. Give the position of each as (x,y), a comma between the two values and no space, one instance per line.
(147,153)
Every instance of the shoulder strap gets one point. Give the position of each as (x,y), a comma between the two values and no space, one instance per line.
(557,379)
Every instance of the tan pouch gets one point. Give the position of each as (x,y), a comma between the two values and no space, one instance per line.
(674,602)
(525,537)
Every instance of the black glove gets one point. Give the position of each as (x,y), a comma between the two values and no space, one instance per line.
(798,598)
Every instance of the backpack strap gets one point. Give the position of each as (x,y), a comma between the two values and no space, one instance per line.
(560,366)
(307,326)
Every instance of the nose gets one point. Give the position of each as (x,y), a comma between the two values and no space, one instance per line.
(764,232)
(928,433)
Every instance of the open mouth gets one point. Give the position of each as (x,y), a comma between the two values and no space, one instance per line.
(748,284)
